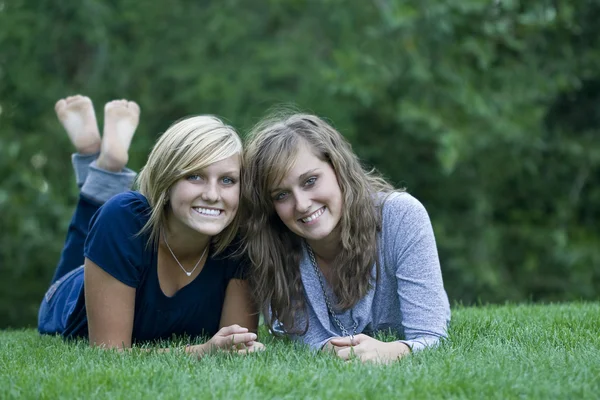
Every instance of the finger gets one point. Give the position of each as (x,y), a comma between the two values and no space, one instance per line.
(244,351)
(242,338)
(335,349)
(232,329)
(344,341)
(345,353)
(253,349)
(328,346)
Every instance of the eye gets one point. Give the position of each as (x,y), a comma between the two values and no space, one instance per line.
(310,181)
(280,196)
(228,180)
(193,177)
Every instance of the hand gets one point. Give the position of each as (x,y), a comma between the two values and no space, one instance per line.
(230,337)
(250,347)
(365,348)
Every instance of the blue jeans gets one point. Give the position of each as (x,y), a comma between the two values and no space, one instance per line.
(65,295)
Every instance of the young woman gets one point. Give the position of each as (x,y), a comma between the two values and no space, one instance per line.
(337,253)
(156,262)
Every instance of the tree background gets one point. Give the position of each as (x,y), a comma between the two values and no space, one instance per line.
(487,111)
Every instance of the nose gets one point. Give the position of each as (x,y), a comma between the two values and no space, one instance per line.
(210,193)
(303,203)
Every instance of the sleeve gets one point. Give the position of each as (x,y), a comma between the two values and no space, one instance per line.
(113,242)
(317,335)
(237,267)
(424,306)
(237,263)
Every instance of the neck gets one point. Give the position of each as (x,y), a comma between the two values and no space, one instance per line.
(185,245)
(327,248)
(184,241)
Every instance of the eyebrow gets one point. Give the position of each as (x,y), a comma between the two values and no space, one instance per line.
(201,170)
(232,172)
(300,178)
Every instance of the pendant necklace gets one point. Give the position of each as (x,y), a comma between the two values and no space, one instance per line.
(176,260)
(339,324)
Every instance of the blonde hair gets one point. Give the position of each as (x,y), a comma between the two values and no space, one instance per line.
(188,145)
(274,250)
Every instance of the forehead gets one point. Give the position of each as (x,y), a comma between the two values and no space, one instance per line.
(231,164)
(290,168)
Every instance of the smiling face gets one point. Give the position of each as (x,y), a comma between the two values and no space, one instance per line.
(206,201)
(308,200)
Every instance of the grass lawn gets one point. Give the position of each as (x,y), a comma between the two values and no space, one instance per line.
(501,352)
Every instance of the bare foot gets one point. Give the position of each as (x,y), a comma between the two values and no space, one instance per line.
(121,118)
(76,114)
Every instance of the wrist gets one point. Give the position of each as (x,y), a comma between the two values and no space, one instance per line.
(402,348)
(198,350)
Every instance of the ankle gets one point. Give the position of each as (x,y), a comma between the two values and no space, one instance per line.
(111,162)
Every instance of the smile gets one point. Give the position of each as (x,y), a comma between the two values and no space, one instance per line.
(211,212)
(313,216)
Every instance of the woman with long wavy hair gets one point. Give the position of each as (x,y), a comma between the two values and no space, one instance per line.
(337,253)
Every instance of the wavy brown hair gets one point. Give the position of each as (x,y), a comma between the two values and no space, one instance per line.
(275,252)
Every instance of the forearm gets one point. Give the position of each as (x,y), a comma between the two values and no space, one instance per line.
(422,342)
(198,350)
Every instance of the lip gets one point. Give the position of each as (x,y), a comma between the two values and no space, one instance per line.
(312,213)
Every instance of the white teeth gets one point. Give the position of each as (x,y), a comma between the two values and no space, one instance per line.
(207,211)
(315,215)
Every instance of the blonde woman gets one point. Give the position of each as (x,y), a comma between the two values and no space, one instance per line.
(337,253)
(155,262)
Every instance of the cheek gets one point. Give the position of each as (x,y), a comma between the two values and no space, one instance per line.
(280,210)
(232,197)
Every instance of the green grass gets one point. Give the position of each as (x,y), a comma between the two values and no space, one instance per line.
(502,352)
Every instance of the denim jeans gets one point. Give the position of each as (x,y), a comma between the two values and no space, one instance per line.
(66,288)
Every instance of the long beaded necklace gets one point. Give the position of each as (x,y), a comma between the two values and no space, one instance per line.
(339,324)
(176,260)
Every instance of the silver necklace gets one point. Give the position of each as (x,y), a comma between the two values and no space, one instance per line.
(339,324)
(176,260)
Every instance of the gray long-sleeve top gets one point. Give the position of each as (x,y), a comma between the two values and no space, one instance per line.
(409,298)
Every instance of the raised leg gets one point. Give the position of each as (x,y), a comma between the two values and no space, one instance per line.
(102,178)
(77,116)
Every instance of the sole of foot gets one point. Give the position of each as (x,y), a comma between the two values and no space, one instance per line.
(77,116)
(121,118)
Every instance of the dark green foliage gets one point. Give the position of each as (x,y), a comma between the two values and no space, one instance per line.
(485,111)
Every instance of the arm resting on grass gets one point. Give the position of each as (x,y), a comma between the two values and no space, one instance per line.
(424,307)
(238,306)
(240,309)
(110,307)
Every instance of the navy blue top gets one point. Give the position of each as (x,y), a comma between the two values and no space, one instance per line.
(114,245)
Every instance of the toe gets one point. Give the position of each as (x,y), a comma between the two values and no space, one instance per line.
(133,106)
(60,105)
(109,105)
(72,99)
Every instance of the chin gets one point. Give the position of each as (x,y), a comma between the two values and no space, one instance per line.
(317,235)
(210,231)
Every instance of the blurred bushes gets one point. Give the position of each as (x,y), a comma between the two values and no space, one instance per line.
(485,110)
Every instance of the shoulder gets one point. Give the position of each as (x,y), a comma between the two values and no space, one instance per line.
(126,205)
(114,241)
(403,217)
(126,212)
(401,206)
(131,201)
(235,261)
